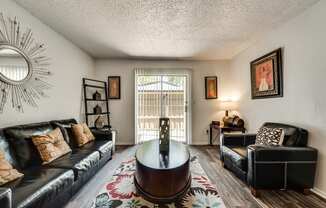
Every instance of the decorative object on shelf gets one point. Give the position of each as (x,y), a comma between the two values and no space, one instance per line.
(164,136)
(23,66)
(114,87)
(267,76)
(211,87)
(97,96)
(101,106)
(99,122)
(97,109)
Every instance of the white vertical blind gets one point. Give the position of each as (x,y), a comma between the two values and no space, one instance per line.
(161,93)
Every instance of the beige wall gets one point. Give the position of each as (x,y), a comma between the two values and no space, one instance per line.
(304,101)
(68,65)
(203,111)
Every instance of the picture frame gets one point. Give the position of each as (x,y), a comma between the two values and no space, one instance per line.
(267,76)
(114,87)
(211,91)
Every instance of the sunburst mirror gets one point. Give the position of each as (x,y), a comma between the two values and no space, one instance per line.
(23,66)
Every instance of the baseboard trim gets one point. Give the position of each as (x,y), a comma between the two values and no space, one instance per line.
(125,144)
(319,193)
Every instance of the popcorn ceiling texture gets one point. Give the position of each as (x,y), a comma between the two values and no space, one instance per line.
(185,29)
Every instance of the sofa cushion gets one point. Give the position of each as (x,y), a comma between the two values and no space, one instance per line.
(103,146)
(40,185)
(270,136)
(293,136)
(82,134)
(7,172)
(79,160)
(236,155)
(51,146)
(20,138)
(65,127)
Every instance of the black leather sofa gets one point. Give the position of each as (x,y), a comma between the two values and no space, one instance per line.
(291,165)
(54,184)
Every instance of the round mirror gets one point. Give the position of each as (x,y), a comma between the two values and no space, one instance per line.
(14,67)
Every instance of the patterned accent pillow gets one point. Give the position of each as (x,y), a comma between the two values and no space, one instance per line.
(51,146)
(82,134)
(270,136)
(7,172)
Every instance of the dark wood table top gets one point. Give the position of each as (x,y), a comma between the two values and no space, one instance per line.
(148,155)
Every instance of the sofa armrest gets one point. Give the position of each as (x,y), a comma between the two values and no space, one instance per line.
(238,139)
(5,197)
(278,167)
(102,135)
(281,153)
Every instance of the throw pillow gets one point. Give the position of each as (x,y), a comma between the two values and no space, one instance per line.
(270,136)
(51,146)
(7,172)
(82,134)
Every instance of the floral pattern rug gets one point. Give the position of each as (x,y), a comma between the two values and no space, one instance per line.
(120,191)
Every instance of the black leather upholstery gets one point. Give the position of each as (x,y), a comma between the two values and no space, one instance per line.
(274,167)
(5,197)
(65,127)
(294,136)
(40,185)
(79,161)
(50,185)
(20,137)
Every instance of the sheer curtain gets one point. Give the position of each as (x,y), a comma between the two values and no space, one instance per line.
(159,93)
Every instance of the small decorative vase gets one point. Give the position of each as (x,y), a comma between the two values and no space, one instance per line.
(99,122)
(97,95)
(97,109)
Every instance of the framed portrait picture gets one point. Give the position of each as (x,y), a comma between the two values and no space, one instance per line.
(114,87)
(267,76)
(211,87)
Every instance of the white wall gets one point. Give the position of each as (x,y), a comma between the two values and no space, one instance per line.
(68,64)
(204,111)
(304,102)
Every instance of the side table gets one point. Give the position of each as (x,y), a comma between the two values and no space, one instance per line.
(222,129)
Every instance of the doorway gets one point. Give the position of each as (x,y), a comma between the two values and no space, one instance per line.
(162,95)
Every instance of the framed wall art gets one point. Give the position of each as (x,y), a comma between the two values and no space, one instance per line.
(114,91)
(267,76)
(211,87)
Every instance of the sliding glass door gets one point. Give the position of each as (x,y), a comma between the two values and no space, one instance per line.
(161,96)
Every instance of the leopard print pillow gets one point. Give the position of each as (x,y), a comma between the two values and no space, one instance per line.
(270,136)
(7,172)
(51,146)
(82,134)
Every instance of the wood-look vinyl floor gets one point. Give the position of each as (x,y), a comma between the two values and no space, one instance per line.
(233,191)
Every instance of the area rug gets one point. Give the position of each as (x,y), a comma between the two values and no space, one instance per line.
(120,190)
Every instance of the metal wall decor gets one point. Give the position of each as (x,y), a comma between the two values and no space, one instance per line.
(23,66)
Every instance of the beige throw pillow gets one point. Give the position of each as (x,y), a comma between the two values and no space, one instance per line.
(82,134)
(51,146)
(7,172)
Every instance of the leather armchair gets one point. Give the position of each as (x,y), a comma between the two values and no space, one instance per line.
(5,197)
(291,165)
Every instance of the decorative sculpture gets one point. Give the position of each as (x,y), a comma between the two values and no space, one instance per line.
(164,136)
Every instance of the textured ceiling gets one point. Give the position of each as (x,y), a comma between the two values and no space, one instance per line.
(177,29)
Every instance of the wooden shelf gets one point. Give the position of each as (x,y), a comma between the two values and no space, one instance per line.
(102,100)
(94,114)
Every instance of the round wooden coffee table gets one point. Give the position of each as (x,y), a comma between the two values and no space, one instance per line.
(162,181)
